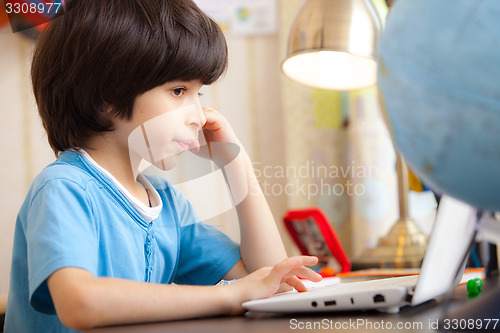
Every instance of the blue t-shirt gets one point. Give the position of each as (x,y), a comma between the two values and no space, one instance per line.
(74,216)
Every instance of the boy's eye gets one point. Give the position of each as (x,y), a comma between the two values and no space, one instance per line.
(178,92)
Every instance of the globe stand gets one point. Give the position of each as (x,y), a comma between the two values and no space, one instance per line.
(404,246)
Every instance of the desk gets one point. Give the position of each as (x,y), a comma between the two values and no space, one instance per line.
(417,319)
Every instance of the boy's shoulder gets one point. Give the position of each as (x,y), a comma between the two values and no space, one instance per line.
(68,167)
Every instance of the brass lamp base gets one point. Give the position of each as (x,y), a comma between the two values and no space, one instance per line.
(403,247)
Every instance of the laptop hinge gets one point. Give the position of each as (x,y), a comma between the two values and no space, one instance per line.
(409,296)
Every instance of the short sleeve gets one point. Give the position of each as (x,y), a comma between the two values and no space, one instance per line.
(60,232)
(206,254)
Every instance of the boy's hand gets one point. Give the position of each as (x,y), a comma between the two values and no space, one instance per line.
(217,128)
(266,281)
(217,140)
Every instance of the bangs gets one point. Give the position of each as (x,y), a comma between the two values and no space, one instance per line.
(182,44)
(187,49)
(201,57)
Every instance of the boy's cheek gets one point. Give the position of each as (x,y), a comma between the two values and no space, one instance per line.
(150,139)
(137,144)
(153,140)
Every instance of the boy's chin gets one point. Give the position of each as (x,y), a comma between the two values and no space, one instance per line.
(167,163)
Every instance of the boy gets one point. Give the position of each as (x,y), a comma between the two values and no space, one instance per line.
(97,243)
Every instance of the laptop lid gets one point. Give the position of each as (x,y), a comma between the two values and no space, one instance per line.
(448,246)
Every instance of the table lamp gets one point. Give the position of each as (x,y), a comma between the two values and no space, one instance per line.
(332,45)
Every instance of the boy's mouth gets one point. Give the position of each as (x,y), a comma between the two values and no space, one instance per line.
(185,145)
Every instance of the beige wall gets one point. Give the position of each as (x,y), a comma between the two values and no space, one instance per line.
(23,148)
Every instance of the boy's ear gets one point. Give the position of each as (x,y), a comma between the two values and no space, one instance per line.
(108,108)
(108,113)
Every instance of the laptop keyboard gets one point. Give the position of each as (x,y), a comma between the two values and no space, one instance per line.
(403,281)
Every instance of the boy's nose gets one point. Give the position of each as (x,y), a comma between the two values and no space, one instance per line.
(203,119)
(197,118)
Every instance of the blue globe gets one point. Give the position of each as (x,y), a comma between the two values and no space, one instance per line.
(439,83)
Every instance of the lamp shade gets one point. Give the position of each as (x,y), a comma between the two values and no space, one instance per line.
(332,44)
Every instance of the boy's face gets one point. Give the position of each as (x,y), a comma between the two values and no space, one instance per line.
(166,121)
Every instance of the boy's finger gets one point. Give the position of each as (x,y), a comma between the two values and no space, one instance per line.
(307,273)
(288,268)
(303,273)
(293,267)
(309,260)
(293,262)
(213,118)
(282,269)
(297,284)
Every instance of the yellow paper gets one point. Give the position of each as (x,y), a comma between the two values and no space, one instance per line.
(327,108)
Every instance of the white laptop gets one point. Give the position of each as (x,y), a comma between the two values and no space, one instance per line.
(441,271)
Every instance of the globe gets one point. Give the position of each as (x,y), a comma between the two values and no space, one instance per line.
(439,84)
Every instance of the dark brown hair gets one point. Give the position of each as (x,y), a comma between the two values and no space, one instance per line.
(104,53)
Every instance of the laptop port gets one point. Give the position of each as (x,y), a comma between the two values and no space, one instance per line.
(378,298)
(330,303)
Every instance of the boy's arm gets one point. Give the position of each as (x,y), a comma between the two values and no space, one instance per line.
(261,244)
(83,301)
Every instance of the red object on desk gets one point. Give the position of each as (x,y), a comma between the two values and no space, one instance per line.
(307,226)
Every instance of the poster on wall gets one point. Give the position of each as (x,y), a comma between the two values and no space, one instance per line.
(242,17)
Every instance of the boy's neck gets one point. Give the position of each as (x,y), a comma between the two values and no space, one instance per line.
(116,160)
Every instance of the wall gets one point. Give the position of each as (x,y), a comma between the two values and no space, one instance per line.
(23,148)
